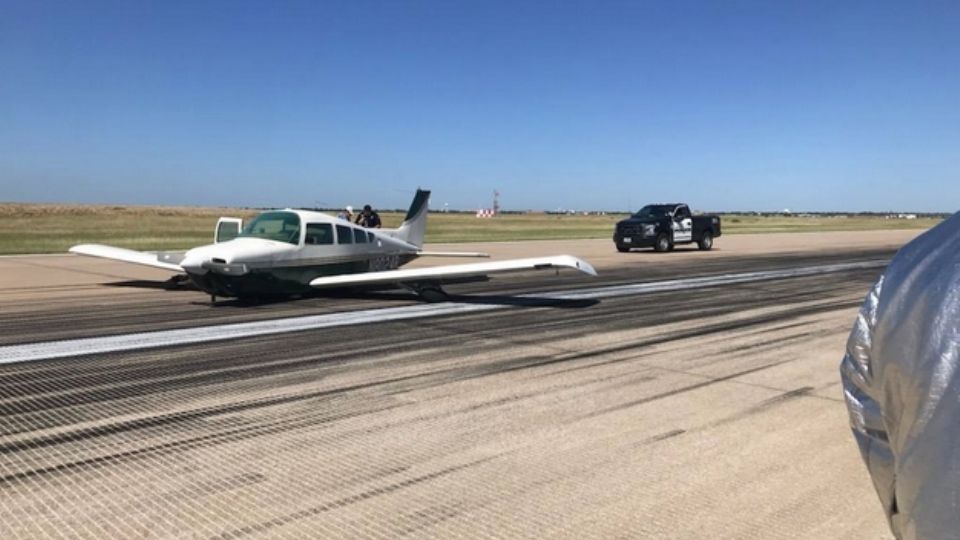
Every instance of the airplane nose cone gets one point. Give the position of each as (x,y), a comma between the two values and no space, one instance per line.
(229,259)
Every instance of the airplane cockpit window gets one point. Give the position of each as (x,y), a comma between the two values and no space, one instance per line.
(279,226)
(318,234)
(344,236)
(359,237)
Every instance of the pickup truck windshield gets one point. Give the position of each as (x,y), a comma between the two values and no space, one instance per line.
(654,211)
(279,226)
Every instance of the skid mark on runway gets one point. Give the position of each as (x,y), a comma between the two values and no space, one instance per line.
(205,441)
(346,501)
(662,437)
(683,390)
(764,406)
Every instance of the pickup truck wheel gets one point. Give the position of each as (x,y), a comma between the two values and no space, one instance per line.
(663,243)
(623,249)
(706,241)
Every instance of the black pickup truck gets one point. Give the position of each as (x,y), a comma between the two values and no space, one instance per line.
(661,226)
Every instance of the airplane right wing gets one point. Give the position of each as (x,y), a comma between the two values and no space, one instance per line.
(476,254)
(128,255)
(440,273)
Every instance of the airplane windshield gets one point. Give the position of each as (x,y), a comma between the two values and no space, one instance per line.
(279,226)
(654,211)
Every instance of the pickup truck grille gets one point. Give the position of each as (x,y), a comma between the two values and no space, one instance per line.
(630,229)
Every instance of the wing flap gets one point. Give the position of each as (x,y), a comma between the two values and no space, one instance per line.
(124,255)
(440,273)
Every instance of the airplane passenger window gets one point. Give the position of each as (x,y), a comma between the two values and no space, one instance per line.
(359,237)
(344,236)
(319,234)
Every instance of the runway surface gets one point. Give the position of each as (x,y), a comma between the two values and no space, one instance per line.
(704,412)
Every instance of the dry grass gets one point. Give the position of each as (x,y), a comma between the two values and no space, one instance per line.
(48,228)
(42,228)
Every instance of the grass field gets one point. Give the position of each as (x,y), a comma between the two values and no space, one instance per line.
(48,228)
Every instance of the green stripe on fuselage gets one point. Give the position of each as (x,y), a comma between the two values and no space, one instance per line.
(281,280)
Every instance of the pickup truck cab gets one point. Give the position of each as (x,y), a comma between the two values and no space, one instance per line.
(662,226)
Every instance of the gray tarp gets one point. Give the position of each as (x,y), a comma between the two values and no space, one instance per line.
(901,381)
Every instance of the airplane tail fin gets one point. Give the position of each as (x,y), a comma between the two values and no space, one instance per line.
(414,225)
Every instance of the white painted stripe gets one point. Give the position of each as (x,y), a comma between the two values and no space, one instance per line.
(145,340)
(28,255)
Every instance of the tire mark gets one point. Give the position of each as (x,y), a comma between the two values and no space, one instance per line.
(347,501)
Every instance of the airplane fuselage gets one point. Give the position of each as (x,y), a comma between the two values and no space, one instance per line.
(280,252)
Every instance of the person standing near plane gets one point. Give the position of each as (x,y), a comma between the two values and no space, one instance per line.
(346,214)
(901,381)
(368,218)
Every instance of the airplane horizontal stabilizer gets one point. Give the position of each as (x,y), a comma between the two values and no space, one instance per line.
(440,273)
(124,255)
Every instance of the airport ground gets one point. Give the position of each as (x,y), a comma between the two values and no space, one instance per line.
(697,413)
(52,228)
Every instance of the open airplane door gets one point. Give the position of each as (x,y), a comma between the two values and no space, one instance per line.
(228,228)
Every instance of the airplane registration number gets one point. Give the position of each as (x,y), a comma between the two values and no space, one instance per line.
(386,262)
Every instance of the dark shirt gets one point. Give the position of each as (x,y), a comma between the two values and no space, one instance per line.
(371,221)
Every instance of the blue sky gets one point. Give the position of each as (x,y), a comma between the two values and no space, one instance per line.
(808,105)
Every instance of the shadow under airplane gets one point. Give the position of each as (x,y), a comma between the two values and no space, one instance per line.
(175,284)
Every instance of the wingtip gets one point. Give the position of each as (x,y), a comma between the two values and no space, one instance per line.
(586,268)
(581,265)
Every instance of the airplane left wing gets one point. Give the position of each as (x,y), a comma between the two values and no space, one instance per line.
(440,273)
(127,255)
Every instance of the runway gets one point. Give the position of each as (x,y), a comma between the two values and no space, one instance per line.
(712,410)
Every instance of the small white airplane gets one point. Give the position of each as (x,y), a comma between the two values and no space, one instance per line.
(286,252)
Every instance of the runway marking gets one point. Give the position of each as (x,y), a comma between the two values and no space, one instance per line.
(147,340)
